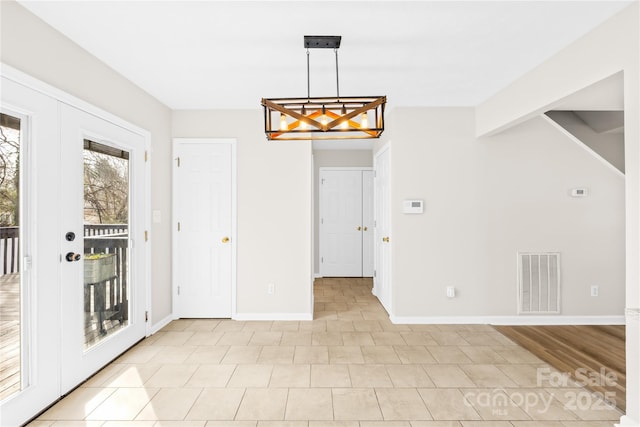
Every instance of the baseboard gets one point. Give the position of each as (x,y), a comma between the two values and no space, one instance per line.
(625,421)
(509,320)
(273,316)
(161,324)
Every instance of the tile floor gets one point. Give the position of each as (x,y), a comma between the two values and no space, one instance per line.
(351,367)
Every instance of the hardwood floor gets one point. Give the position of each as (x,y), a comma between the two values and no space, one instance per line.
(593,355)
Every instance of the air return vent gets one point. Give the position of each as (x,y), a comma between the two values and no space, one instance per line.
(539,283)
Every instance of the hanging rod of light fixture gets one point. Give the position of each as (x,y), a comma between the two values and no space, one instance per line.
(339,117)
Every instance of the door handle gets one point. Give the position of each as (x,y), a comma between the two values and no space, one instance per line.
(365,229)
(359,228)
(385,239)
(71,257)
(225,239)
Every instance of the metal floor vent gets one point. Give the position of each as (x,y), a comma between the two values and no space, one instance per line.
(539,283)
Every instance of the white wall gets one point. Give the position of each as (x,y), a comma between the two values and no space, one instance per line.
(35,48)
(331,158)
(274,187)
(485,200)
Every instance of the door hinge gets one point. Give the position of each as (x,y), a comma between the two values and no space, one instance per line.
(321,220)
(178,160)
(374,273)
(322,181)
(146,155)
(178,290)
(322,259)
(146,316)
(178,225)
(146,236)
(26,263)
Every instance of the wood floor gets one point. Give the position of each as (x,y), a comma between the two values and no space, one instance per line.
(593,355)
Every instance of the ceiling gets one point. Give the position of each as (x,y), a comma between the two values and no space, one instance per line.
(229,54)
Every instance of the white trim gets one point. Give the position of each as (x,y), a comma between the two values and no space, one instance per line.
(159,325)
(317,276)
(344,168)
(508,320)
(625,421)
(312,233)
(234,215)
(273,316)
(582,145)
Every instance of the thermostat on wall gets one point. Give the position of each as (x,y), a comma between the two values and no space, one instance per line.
(412,207)
(579,192)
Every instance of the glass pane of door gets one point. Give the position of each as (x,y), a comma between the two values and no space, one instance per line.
(106,241)
(10,287)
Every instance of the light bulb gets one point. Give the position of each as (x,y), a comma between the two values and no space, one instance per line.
(364,121)
(324,119)
(283,122)
(343,112)
(303,124)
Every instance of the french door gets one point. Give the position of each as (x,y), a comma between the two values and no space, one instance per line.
(346,223)
(80,202)
(102,240)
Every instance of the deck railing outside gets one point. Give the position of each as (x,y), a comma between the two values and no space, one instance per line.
(109,238)
(9,250)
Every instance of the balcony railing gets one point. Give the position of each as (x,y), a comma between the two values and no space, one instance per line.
(107,238)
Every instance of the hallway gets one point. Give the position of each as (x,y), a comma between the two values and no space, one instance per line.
(350,367)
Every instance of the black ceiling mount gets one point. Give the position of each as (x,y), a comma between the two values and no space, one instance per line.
(322,42)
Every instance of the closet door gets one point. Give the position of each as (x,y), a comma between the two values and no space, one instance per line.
(341,223)
(367,224)
(346,223)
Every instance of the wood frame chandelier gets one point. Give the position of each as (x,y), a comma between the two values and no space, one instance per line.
(352,117)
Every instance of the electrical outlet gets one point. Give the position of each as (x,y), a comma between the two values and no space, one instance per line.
(271,288)
(595,290)
(451,292)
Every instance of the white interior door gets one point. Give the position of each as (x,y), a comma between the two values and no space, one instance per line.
(102,241)
(341,223)
(367,224)
(204,238)
(29,293)
(382,280)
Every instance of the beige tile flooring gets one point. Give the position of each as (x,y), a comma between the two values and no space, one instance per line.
(350,367)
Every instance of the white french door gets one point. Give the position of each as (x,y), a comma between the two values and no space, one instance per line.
(204,241)
(346,223)
(70,320)
(36,365)
(102,239)
(382,279)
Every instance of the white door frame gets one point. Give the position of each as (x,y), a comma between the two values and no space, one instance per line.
(174,229)
(325,169)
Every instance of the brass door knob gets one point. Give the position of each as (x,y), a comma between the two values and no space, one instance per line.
(225,240)
(359,228)
(365,229)
(385,239)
